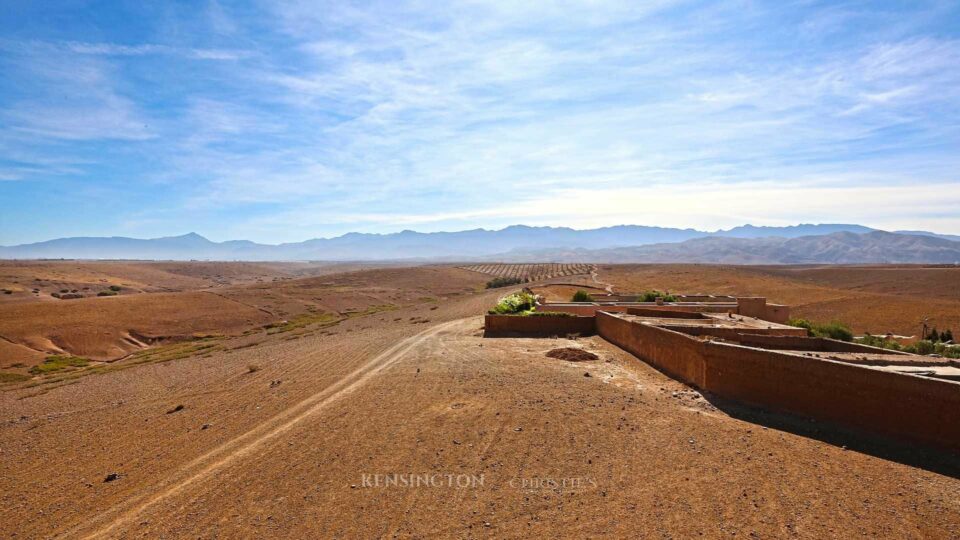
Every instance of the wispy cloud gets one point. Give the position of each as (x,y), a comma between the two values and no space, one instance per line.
(114,49)
(382,115)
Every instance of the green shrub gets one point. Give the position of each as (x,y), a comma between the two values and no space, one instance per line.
(832,330)
(115,288)
(107,293)
(496,283)
(924,346)
(652,295)
(581,296)
(881,342)
(802,323)
(57,362)
(6,377)
(514,303)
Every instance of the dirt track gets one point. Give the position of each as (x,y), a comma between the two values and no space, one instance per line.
(220,457)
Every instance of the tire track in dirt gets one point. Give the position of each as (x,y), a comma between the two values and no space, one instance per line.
(205,465)
(460,355)
(596,279)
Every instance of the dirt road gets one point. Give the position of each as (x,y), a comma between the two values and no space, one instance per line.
(207,464)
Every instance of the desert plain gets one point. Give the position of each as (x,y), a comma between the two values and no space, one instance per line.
(313,400)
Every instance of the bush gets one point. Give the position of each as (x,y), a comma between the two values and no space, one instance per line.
(832,330)
(496,283)
(881,342)
(115,288)
(107,293)
(57,362)
(652,295)
(581,296)
(923,346)
(6,377)
(802,323)
(514,303)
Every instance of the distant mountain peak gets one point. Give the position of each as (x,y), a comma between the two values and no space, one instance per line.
(475,244)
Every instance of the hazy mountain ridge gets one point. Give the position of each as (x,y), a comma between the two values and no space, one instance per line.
(836,248)
(743,244)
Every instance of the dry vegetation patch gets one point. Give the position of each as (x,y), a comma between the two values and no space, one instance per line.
(517,273)
(58,362)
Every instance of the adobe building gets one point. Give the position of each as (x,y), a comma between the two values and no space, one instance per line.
(739,349)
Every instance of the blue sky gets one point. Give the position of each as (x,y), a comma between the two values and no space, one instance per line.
(281,121)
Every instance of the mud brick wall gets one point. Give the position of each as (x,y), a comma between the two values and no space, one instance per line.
(908,407)
(516,325)
(794,343)
(585,310)
(678,355)
(731,333)
(664,313)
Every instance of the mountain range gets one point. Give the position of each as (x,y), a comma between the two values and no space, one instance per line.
(748,244)
(874,247)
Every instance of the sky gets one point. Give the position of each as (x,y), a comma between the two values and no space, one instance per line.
(279,121)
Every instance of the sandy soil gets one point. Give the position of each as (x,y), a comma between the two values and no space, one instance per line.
(283,436)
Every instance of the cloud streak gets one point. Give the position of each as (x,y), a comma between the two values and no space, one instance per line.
(376,116)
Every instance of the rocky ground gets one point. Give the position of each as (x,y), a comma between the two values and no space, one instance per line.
(407,423)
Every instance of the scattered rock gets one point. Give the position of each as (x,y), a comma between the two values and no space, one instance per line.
(111,477)
(178,408)
(205,426)
(586,374)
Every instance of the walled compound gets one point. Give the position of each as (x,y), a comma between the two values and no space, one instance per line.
(739,349)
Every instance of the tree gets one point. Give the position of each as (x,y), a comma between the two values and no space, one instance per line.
(933,335)
(946,335)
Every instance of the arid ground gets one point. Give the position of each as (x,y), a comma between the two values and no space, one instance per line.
(305,401)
